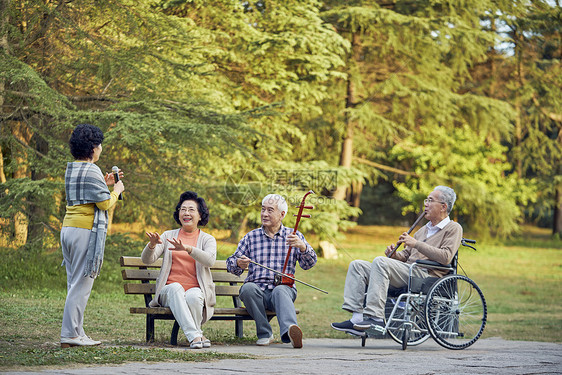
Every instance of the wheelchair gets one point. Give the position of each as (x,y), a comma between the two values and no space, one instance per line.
(451,309)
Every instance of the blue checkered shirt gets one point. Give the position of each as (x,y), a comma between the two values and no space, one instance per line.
(270,252)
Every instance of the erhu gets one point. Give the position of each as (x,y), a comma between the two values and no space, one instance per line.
(279,278)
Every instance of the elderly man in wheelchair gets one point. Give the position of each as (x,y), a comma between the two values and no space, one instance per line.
(398,294)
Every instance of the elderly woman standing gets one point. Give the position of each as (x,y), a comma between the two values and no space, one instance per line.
(185,284)
(84,228)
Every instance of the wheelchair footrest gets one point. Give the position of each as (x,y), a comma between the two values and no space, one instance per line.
(376,331)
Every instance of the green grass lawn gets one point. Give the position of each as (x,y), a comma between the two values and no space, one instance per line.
(520,279)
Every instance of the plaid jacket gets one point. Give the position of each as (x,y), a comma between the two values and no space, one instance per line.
(270,252)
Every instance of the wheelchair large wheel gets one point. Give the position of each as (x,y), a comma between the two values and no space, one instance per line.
(417,334)
(455,312)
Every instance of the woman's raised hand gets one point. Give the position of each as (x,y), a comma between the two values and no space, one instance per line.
(178,246)
(154,239)
(110,178)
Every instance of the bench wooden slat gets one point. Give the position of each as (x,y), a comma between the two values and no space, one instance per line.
(218,311)
(137,262)
(236,311)
(140,288)
(151,310)
(152,274)
(150,288)
(127,261)
(219,265)
(142,275)
(225,277)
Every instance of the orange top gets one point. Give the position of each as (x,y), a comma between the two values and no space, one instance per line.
(183,269)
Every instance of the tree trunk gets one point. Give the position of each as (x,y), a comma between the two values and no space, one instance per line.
(518,138)
(4,47)
(237,233)
(4,5)
(557,224)
(346,155)
(355,196)
(518,127)
(36,211)
(356,190)
(492,61)
(20,219)
(110,213)
(2,174)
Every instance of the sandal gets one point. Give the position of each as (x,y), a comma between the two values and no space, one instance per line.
(196,344)
(206,342)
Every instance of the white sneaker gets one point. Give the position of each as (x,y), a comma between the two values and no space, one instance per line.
(264,341)
(88,341)
(67,342)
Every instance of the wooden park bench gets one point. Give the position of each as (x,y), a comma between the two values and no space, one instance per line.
(143,279)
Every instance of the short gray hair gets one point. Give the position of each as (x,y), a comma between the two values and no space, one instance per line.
(448,196)
(276,198)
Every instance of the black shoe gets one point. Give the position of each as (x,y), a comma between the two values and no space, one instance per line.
(347,327)
(368,323)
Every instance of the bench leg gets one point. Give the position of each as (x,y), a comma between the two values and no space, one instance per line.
(175,330)
(149,328)
(239,328)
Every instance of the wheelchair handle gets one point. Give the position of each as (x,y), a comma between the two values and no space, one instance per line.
(466,241)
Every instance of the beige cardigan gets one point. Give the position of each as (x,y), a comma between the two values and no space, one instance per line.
(204,253)
(441,247)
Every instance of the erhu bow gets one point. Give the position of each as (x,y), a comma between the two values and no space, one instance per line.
(409,231)
(282,277)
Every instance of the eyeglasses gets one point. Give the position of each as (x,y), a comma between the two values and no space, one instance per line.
(428,201)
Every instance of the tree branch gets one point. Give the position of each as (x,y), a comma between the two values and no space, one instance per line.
(44,25)
(3,22)
(91,99)
(551,115)
(76,98)
(385,167)
(21,94)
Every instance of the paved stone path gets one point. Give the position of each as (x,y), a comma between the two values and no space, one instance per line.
(334,356)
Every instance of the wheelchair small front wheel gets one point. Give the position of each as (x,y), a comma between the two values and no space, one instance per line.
(405,337)
(396,326)
(455,312)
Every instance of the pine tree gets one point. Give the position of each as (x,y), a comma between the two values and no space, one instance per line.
(405,87)
(526,73)
(123,67)
(274,59)
(536,93)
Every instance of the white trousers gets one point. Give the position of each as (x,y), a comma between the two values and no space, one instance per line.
(74,243)
(374,278)
(187,307)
